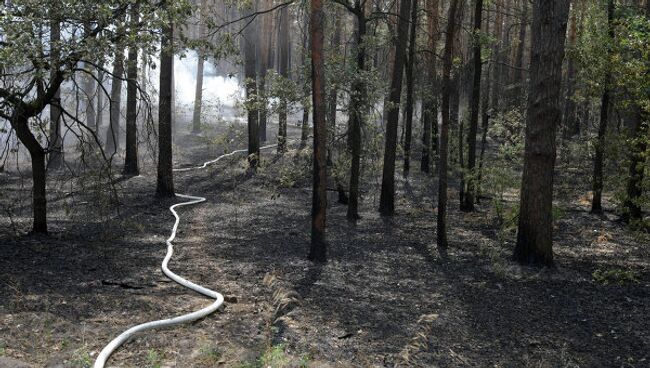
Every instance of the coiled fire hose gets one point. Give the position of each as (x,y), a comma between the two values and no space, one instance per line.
(189,317)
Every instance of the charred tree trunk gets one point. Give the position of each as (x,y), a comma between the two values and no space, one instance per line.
(570,123)
(387,197)
(535,230)
(198,94)
(55,149)
(408,125)
(252,98)
(131,158)
(20,124)
(165,179)
(597,185)
(283,69)
(318,250)
(634,190)
(89,90)
(358,101)
(429,108)
(520,66)
(468,203)
(113,131)
(444,129)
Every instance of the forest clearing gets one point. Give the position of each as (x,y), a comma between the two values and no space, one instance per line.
(418,183)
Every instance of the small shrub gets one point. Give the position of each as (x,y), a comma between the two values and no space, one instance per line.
(615,276)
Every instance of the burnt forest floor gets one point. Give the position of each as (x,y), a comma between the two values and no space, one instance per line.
(388,296)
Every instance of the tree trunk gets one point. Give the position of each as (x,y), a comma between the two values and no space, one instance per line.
(283,69)
(20,124)
(535,230)
(597,185)
(496,52)
(165,182)
(250,73)
(444,129)
(570,123)
(318,250)
(634,190)
(358,102)
(89,90)
(387,197)
(408,126)
(131,158)
(429,106)
(100,100)
(113,131)
(520,66)
(263,43)
(468,203)
(55,149)
(198,94)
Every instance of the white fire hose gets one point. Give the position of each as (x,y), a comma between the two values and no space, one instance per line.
(218,298)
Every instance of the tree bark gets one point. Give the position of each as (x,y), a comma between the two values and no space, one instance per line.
(113,131)
(165,179)
(318,250)
(468,203)
(131,158)
(535,230)
(250,73)
(198,94)
(55,149)
(570,123)
(358,104)
(20,124)
(429,108)
(597,184)
(387,197)
(444,128)
(408,125)
(634,189)
(283,69)
(520,66)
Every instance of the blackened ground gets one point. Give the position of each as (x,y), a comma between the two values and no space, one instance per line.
(388,296)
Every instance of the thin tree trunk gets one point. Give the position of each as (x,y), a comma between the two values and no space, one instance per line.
(408,126)
(89,90)
(570,123)
(100,99)
(387,197)
(113,131)
(535,230)
(165,179)
(131,158)
(55,149)
(597,185)
(318,250)
(250,73)
(634,190)
(358,101)
(429,107)
(283,68)
(519,70)
(20,124)
(198,94)
(444,129)
(468,203)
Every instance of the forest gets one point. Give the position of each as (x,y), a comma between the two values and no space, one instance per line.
(324,183)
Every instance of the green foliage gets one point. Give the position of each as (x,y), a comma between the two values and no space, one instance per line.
(615,276)
(154,360)
(81,358)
